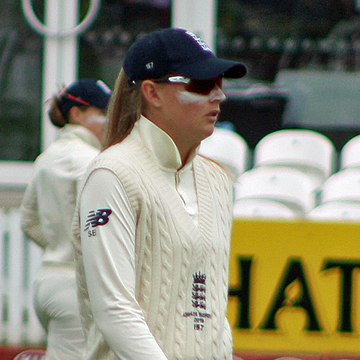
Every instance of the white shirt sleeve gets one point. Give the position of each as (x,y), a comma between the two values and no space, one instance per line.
(30,221)
(108,247)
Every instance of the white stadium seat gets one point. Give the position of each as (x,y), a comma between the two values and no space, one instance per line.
(342,186)
(227,148)
(290,187)
(263,209)
(350,154)
(336,211)
(308,151)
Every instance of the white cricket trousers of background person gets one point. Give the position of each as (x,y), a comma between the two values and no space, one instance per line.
(56,305)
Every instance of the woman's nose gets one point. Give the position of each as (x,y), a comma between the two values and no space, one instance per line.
(217,94)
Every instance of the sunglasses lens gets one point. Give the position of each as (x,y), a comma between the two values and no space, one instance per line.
(203,87)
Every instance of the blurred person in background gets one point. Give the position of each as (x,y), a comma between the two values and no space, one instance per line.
(48,206)
(153,225)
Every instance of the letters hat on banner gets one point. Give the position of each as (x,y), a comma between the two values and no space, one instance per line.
(179,52)
(86,92)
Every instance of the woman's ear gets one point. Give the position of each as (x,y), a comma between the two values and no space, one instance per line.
(149,90)
(75,115)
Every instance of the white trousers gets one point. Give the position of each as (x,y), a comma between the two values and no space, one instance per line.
(56,305)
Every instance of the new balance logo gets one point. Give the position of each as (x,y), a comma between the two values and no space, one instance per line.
(96,218)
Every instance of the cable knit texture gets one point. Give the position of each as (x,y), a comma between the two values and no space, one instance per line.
(182,269)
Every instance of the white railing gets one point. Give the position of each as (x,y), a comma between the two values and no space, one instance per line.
(20,261)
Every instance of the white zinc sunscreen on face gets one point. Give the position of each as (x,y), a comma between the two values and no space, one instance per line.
(187,97)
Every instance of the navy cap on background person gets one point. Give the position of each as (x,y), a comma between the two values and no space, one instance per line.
(176,51)
(85,92)
(81,93)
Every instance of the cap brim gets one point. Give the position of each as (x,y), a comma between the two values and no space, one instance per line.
(213,67)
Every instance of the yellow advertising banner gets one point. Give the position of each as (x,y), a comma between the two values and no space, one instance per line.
(294,287)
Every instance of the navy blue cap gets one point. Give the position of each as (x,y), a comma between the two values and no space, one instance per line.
(85,92)
(176,51)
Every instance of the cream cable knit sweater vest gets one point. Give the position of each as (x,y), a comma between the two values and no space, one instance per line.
(182,269)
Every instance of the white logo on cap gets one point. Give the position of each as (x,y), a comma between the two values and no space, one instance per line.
(103,86)
(149,66)
(199,41)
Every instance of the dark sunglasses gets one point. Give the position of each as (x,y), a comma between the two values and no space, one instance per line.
(202,87)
